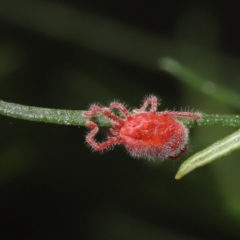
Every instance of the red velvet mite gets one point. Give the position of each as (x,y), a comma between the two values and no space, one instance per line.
(145,132)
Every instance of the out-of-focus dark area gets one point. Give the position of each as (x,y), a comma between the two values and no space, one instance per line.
(68,54)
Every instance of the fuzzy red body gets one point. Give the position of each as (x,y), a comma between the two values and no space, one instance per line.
(154,136)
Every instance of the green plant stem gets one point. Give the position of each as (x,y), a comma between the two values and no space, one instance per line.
(74,117)
(47,115)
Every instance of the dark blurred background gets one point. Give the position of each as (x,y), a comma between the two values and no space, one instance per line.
(68,54)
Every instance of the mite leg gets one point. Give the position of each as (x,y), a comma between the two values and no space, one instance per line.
(121,108)
(194,115)
(99,146)
(153,101)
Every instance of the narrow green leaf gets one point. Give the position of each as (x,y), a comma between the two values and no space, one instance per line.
(218,149)
(191,79)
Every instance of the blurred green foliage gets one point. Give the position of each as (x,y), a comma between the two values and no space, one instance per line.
(69,54)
